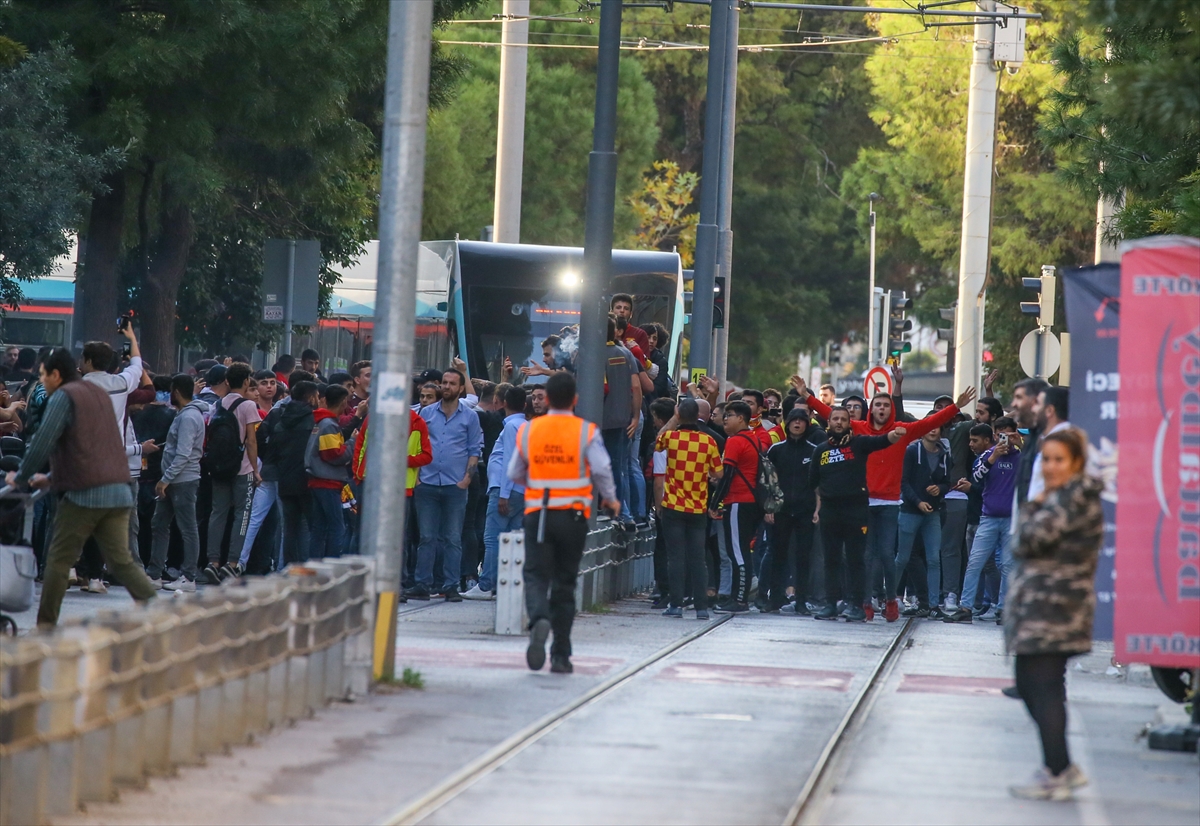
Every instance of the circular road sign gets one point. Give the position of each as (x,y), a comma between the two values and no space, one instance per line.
(877,380)
(1052,354)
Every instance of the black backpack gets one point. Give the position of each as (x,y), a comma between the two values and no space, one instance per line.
(767,492)
(223,447)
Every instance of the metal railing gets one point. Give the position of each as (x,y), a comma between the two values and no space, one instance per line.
(115,698)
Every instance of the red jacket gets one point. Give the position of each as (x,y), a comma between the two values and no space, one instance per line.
(886,467)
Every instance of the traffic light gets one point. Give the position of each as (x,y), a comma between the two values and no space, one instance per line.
(1043,308)
(835,353)
(898,325)
(949,334)
(719,302)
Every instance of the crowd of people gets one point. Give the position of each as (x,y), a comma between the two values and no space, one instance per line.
(767,501)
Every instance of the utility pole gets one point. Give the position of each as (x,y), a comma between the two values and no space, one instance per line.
(406,105)
(725,192)
(704,270)
(977,206)
(598,231)
(510,136)
(873,358)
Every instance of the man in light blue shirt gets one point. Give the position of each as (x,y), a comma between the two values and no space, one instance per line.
(441,497)
(506,498)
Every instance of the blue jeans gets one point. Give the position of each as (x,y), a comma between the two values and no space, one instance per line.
(881,549)
(328,524)
(440,513)
(265,497)
(492,528)
(991,538)
(929,526)
(617,445)
(637,477)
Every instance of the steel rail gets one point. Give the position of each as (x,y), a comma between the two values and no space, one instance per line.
(821,775)
(485,764)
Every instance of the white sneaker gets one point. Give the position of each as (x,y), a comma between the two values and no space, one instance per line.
(73,579)
(477,593)
(181,585)
(989,615)
(96,586)
(951,603)
(1074,776)
(157,583)
(1043,786)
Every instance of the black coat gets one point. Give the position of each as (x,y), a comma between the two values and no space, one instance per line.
(282,445)
(793,464)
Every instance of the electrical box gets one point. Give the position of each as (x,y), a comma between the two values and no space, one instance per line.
(1009,44)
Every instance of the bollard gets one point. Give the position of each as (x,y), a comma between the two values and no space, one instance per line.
(95,742)
(156,664)
(125,692)
(183,683)
(60,688)
(511,617)
(23,760)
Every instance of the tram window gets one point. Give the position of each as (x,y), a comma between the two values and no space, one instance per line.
(512,322)
(34,332)
(432,345)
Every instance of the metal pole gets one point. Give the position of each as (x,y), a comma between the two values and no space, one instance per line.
(885,314)
(406,105)
(598,231)
(977,209)
(872,356)
(725,193)
(510,136)
(704,270)
(287,299)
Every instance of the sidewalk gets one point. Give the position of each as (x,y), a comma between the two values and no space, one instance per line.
(942,744)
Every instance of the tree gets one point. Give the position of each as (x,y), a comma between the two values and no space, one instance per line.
(47,177)
(919,84)
(664,212)
(1127,117)
(241,116)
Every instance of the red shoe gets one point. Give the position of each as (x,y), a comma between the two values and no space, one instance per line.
(891,611)
(869,610)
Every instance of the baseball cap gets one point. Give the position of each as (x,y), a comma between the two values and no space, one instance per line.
(215,375)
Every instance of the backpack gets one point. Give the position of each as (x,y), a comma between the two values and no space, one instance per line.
(767,493)
(223,446)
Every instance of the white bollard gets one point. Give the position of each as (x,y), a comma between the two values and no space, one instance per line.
(510,585)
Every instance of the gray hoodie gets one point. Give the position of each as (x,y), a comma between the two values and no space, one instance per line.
(185,444)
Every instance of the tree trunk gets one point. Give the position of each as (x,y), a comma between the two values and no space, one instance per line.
(167,267)
(98,281)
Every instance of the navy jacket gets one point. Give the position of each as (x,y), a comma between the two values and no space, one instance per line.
(917,477)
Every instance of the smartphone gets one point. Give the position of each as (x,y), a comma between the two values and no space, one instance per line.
(123,323)
(1004,439)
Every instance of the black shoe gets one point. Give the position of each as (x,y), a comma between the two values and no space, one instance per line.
(961,615)
(1000,616)
(210,575)
(829,612)
(731,607)
(535,654)
(452,595)
(560,664)
(936,613)
(231,571)
(801,608)
(661,603)
(417,593)
(769,609)
(856,614)
(1011,691)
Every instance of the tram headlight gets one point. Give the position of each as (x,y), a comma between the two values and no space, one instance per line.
(569,279)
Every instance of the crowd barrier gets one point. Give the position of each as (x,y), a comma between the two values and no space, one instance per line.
(111,700)
(615,564)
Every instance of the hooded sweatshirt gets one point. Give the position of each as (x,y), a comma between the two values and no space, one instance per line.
(885,468)
(327,458)
(793,462)
(839,467)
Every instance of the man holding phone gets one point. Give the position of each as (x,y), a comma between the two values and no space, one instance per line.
(179,486)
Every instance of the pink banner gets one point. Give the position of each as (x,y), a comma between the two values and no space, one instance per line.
(1158,431)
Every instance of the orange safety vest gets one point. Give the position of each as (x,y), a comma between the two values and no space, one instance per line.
(555,448)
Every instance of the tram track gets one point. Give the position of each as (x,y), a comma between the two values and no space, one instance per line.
(817,785)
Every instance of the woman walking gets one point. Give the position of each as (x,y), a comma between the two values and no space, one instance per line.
(1052,601)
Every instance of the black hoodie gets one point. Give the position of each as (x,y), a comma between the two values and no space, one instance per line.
(839,467)
(793,462)
(283,440)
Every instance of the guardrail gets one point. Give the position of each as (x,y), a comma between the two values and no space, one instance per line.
(615,564)
(113,699)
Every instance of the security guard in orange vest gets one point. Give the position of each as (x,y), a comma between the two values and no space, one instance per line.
(558,458)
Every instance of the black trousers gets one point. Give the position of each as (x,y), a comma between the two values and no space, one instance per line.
(844,528)
(801,527)
(684,535)
(551,568)
(296,508)
(1042,681)
(740,523)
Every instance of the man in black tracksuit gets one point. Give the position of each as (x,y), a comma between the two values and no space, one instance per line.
(793,461)
(839,475)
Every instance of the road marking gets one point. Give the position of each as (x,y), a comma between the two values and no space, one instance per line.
(765,676)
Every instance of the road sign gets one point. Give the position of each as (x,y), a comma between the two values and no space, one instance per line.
(1051,354)
(305,277)
(272,312)
(877,380)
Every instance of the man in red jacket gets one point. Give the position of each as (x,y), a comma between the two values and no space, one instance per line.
(884,471)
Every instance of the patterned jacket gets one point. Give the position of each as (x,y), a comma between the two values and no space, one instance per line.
(1052,597)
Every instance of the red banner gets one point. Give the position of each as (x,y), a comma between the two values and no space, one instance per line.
(1158,477)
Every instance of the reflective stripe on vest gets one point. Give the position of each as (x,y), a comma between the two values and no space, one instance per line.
(564,483)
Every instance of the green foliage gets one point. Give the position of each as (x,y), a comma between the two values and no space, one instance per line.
(1128,114)
(460,166)
(920,88)
(412,678)
(664,212)
(47,178)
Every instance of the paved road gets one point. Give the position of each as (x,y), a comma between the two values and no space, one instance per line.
(723,731)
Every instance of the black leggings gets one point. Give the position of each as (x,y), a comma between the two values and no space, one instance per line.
(1041,680)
